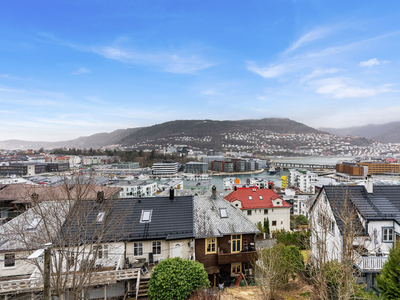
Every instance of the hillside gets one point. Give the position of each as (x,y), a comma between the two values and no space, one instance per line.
(384,133)
(95,140)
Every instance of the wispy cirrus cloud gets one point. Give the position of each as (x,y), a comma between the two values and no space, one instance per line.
(182,61)
(310,36)
(8,76)
(340,88)
(271,71)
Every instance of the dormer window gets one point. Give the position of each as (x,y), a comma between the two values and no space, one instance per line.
(250,197)
(146,216)
(223,212)
(100,217)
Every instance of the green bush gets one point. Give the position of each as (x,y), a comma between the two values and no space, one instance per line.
(389,281)
(177,278)
(301,220)
(299,239)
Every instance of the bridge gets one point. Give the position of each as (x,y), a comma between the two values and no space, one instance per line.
(288,165)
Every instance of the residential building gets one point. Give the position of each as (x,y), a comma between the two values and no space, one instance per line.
(165,168)
(259,204)
(372,216)
(224,239)
(303,180)
(108,241)
(134,189)
(299,202)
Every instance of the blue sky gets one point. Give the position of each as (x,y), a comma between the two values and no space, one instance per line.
(75,68)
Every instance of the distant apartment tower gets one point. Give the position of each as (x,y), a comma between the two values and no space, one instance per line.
(303,180)
(196,167)
(165,168)
(132,189)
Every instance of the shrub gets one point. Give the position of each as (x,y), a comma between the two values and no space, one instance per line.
(301,220)
(177,278)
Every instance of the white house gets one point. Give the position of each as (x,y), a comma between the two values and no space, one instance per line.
(303,180)
(371,213)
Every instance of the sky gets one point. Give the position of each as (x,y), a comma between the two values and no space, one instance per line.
(76,68)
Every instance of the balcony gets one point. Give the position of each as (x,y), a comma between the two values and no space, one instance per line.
(228,258)
(99,278)
(370,263)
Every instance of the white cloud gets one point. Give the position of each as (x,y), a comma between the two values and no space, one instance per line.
(271,71)
(309,37)
(319,73)
(81,71)
(340,88)
(7,76)
(370,63)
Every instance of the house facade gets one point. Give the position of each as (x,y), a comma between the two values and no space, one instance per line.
(370,213)
(259,204)
(225,239)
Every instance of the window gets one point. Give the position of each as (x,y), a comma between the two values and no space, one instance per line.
(265,211)
(9,260)
(224,213)
(137,249)
(250,197)
(236,243)
(236,267)
(71,260)
(261,197)
(157,247)
(100,217)
(100,251)
(211,245)
(273,223)
(387,234)
(146,216)
(249,212)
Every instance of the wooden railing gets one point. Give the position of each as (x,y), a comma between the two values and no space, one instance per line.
(370,263)
(99,278)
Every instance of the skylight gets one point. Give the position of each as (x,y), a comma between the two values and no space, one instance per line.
(146,216)
(261,197)
(100,217)
(32,224)
(224,213)
(250,197)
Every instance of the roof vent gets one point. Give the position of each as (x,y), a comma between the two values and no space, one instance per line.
(214,192)
(100,196)
(171,193)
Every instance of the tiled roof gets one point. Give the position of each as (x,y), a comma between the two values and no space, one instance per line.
(170,219)
(209,223)
(256,202)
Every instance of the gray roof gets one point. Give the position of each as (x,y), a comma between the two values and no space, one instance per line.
(209,223)
(170,219)
(382,204)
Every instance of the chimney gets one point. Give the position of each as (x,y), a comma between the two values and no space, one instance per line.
(171,193)
(214,192)
(369,184)
(100,196)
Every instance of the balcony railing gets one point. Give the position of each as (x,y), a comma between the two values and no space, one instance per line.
(99,278)
(370,263)
(228,258)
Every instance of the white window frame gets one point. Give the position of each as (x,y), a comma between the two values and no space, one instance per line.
(137,249)
(386,233)
(13,261)
(156,245)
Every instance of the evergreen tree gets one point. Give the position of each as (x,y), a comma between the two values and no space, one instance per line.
(266,227)
(389,280)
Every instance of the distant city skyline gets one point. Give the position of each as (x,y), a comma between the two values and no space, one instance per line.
(76,68)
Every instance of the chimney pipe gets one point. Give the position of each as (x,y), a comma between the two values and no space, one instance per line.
(171,193)
(214,192)
(369,184)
